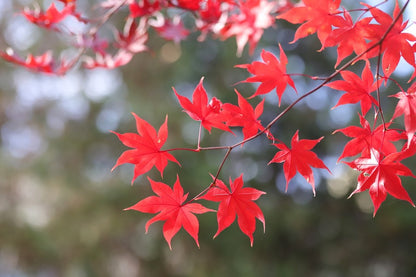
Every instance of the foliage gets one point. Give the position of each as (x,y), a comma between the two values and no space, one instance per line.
(377,39)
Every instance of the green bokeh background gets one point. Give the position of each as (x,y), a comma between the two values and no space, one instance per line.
(61,207)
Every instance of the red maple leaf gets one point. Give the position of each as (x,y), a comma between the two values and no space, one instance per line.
(244,116)
(249,23)
(173,30)
(147,146)
(43,63)
(208,113)
(171,208)
(299,158)
(316,16)
(51,16)
(192,5)
(380,176)
(211,13)
(134,37)
(144,7)
(396,44)
(365,139)
(407,107)
(236,202)
(122,57)
(271,73)
(357,89)
(349,37)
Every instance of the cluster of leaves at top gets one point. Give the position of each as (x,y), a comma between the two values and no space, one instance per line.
(376,39)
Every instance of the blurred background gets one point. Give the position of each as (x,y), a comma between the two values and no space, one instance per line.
(61,208)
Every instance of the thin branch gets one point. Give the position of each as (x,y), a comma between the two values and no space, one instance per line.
(215,177)
(199,135)
(380,110)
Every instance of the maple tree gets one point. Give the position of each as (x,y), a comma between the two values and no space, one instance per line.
(375,39)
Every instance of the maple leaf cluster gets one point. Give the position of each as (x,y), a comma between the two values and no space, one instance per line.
(374,42)
(245,20)
(171,205)
(236,201)
(374,34)
(372,147)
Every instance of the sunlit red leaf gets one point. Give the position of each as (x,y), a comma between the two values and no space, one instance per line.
(144,7)
(271,73)
(317,17)
(43,63)
(299,158)
(171,208)
(173,30)
(134,37)
(350,37)
(249,23)
(208,113)
(407,107)
(380,176)
(236,202)
(396,43)
(146,145)
(365,139)
(245,116)
(106,60)
(192,5)
(52,15)
(357,90)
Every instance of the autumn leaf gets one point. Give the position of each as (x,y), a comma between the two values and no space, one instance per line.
(271,73)
(52,15)
(407,107)
(396,43)
(173,30)
(208,113)
(48,18)
(146,145)
(192,5)
(42,63)
(236,202)
(171,208)
(365,139)
(248,23)
(299,158)
(134,37)
(105,60)
(316,16)
(380,176)
(211,13)
(349,37)
(358,90)
(144,7)
(245,116)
